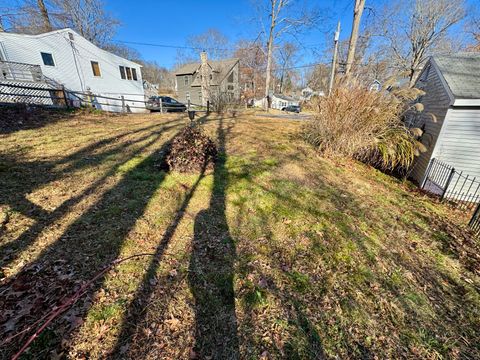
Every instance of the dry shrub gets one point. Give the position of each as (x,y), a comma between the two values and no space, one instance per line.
(222,102)
(191,150)
(358,123)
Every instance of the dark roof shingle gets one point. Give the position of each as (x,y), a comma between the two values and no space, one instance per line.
(462,74)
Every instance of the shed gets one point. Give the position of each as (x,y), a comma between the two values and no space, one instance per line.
(451,116)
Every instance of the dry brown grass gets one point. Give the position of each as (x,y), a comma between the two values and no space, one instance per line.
(357,123)
(274,253)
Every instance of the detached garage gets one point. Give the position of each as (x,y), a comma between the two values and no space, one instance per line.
(451,116)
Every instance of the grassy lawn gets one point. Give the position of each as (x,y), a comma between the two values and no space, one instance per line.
(274,253)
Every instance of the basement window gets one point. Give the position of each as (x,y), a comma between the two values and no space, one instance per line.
(95,68)
(122,72)
(47,59)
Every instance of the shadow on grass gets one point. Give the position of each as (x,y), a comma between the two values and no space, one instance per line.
(211,271)
(24,177)
(85,248)
(210,276)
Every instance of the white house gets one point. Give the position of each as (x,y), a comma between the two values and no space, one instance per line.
(279,101)
(66,58)
(451,115)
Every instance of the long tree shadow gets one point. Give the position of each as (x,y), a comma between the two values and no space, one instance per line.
(211,271)
(18,186)
(85,248)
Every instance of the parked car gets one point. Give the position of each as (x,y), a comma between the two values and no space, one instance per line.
(168,104)
(292,108)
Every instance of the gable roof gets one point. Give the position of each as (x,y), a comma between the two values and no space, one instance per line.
(65,30)
(221,68)
(461,72)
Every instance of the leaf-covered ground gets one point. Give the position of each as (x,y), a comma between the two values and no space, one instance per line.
(273,253)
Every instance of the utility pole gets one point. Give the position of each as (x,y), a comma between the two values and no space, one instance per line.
(357,17)
(205,78)
(334,60)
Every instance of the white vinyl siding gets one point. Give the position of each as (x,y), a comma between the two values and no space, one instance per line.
(459,144)
(73,67)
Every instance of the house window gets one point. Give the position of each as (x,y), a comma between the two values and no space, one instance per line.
(122,72)
(230,87)
(211,76)
(129,73)
(47,59)
(185,79)
(95,68)
(134,74)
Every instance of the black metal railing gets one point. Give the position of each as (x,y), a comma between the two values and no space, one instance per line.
(475,221)
(459,189)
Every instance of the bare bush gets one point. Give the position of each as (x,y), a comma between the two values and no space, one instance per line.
(358,123)
(222,102)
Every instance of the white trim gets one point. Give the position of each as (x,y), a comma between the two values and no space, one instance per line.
(444,82)
(467,102)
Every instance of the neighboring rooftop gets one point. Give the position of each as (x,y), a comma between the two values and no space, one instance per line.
(462,74)
(220,68)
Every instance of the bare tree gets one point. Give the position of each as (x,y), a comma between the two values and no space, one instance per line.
(212,41)
(415,28)
(44,13)
(253,61)
(282,17)
(88,17)
(286,58)
(357,17)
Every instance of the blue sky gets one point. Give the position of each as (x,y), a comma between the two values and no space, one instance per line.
(171,23)
(166,22)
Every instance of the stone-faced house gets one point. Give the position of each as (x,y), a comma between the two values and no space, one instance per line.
(223,77)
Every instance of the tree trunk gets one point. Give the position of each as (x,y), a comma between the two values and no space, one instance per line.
(2,29)
(357,17)
(268,77)
(46,19)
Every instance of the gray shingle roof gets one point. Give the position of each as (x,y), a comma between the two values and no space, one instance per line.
(221,69)
(462,74)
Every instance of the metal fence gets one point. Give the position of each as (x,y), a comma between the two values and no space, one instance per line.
(475,222)
(459,189)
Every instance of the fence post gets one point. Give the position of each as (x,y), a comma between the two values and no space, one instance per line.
(161,106)
(475,215)
(450,177)
(123,104)
(208,107)
(188,104)
(427,173)
(65,98)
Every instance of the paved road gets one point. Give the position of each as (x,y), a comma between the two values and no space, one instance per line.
(288,116)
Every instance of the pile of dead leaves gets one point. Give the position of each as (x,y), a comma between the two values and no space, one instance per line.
(191,151)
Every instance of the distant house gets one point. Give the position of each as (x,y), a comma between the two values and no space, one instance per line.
(278,101)
(452,96)
(307,93)
(223,77)
(65,58)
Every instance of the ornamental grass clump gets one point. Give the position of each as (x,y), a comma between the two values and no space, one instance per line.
(191,151)
(366,125)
